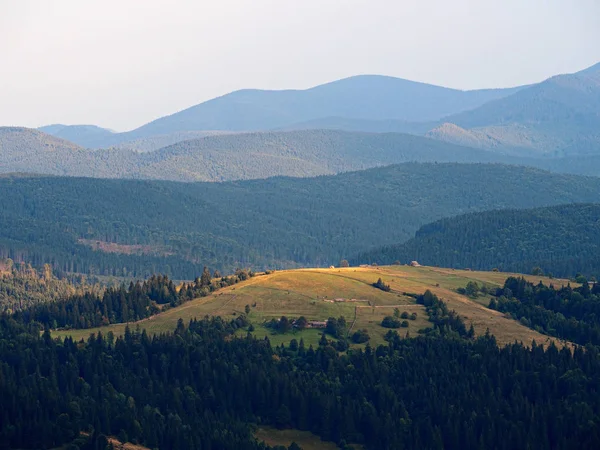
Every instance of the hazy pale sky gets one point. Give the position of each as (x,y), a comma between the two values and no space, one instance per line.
(122,63)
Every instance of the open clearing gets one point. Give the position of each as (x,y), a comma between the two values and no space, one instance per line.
(318,294)
(112,440)
(305,439)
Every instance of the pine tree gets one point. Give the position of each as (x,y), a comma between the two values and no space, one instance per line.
(205,279)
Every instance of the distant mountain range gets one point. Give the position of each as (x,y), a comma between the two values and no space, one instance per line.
(351,124)
(369,97)
(562,240)
(560,116)
(131,227)
(365,97)
(557,117)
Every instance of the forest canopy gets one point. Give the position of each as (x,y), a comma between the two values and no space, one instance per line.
(138,228)
(558,240)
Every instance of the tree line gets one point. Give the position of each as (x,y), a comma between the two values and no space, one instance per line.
(22,285)
(120,304)
(568,313)
(558,240)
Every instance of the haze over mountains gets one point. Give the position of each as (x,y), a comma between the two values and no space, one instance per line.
(91,136)
(553,125)
(368,97)
(560,116)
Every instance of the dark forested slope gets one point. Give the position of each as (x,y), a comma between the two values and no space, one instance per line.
(138,228)
(199,388)
(566,313)
(562,240)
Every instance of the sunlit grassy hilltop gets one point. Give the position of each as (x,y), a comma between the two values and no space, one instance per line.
(318,294)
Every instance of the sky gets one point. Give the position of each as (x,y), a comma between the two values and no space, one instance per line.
(122,63)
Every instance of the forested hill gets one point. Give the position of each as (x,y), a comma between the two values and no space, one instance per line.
(230,157)
(226,157)
(137,228)
(561,240)
(301,153)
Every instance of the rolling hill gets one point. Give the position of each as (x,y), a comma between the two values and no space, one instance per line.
(83,135)
(364,125)
(225,380)
(580,164)
(32,151)
(487,138)
(152,143)
(363,97)
(312,293)
(301,153)
(93,137)
(225,157)
(228,157)
(562,240)
(136,228)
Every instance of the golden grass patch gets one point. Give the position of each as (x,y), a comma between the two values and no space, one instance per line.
(318,294)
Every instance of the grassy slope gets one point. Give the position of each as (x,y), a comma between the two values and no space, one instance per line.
(304,292)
